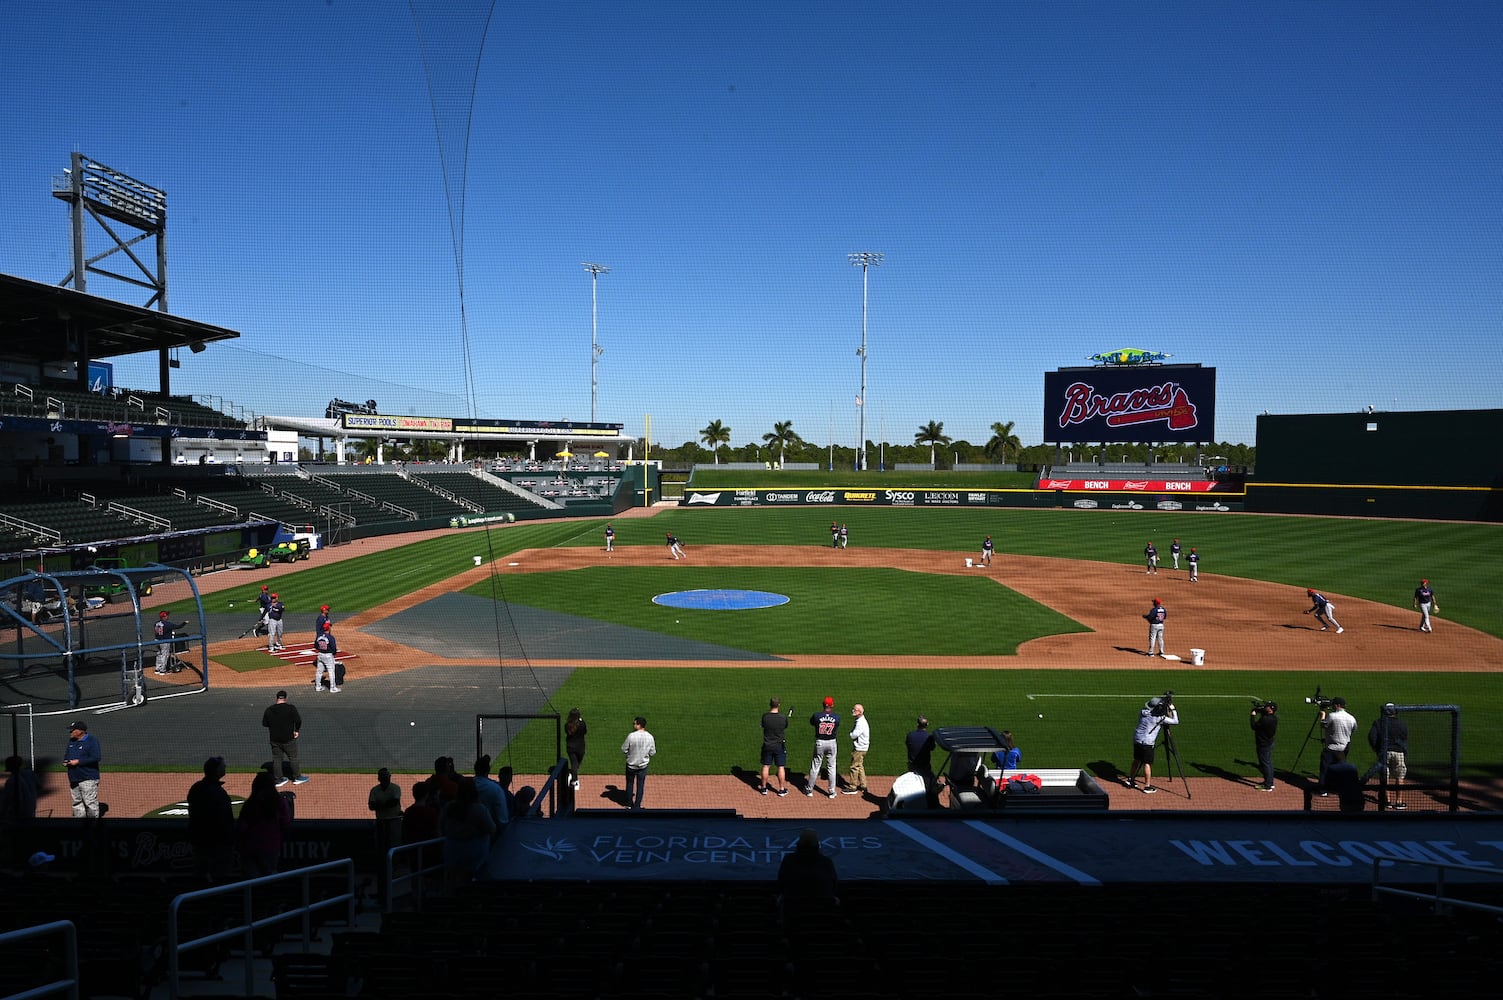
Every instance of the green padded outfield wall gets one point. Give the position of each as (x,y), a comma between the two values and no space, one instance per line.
(1445,464)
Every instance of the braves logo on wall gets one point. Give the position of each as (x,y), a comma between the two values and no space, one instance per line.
(1169,403)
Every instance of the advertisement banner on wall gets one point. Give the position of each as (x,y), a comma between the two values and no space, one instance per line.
(1144,403)
(843,498)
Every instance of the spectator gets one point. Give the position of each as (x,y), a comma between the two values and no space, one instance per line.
(1389,738)
(807,881)
(861,741)
(467,830)
(211,823)
(264,819)
(774,746)
(420,820)
(18,800)
(1009,758)
(490,794)
(385,803)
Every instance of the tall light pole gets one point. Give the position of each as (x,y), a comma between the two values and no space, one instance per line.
(596,270)
(863,260)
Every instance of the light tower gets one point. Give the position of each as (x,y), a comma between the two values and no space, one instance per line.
(596,270)
(863,260)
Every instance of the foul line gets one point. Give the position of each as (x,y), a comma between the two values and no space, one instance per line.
(949,854)
(1067,871)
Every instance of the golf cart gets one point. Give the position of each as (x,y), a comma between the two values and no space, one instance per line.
(112,586)
(289,551)
(969,781)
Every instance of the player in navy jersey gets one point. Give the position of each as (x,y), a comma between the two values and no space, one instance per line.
(1174,552)
(327,649)
(1150,559)
(1194,560)
(826,725)
(1155,618)
(675,548)
(986,551)
(610,538)
(319,622)
(274,626)
(1424,599)
(1324,611)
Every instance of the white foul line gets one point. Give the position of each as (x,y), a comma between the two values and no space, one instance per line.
(985,874)
(1048,862)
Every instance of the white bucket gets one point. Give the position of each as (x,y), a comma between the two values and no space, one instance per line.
(967,564)
(477,560)
(1197,657)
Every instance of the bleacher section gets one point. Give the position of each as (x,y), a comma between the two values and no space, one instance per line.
(492,499)
(395,491)
(122,406)
(74,520)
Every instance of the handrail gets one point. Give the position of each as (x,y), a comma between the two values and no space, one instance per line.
(115,506)
(416,876)
(246,931)
(1440,900)
(70,949)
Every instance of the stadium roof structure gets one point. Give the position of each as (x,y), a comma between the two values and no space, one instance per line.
(41,322)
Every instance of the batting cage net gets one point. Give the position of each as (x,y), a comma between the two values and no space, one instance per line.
(1415,754)
(85,639)
(530,744)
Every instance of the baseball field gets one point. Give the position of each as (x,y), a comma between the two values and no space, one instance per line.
(1048,642)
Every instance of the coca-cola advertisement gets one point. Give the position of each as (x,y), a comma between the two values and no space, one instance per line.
(1131,403)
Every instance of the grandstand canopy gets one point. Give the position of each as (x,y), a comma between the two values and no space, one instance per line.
(40,322)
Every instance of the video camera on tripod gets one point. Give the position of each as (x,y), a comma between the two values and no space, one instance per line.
(1319,701)
(1162,705)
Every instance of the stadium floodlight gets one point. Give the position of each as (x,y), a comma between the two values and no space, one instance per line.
(863,260)
(596,270)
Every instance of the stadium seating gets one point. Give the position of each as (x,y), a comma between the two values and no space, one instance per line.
(392,488)
(491,498)
(123,406)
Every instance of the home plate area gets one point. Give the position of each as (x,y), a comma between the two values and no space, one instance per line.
(303,653)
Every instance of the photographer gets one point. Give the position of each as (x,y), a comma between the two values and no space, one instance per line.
(1154,716)
(1337,726)
(1265,725)
(1389,738)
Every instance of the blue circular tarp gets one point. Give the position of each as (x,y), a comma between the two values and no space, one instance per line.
(721,600)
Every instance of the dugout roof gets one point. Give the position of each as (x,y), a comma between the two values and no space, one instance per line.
(44,323)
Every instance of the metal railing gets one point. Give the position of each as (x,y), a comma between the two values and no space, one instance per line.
(418,875)
(1438,898)
(246,930)
(57,987)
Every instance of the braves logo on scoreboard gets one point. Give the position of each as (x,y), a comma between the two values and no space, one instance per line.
(1123,405)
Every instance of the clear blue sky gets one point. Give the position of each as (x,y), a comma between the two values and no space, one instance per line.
(1306,196)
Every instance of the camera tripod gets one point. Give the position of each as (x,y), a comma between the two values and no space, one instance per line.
(1309,735)
(1171,757)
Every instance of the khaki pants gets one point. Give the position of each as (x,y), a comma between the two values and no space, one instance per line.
(856,776)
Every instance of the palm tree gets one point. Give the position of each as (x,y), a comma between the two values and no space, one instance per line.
(782,438)
(715,435)
(1002,439)
(932,434)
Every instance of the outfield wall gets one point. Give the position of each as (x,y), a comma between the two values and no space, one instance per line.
(1438,464)
(1108,495)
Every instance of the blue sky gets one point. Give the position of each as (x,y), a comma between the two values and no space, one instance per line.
(1305,196)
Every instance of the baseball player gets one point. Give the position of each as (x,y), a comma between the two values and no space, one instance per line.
(1174,552)
(162,633)
(327,648)
(826,725)
(610,538)
(1150,559)
(1155,618)
(322,620)
(274,625)
(675,549)
(845,536)
(834,534)
(986,551)
(1323,610)
(264,599)
(1194,560)
(1424,599)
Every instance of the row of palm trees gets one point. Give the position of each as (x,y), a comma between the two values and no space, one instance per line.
(783,436)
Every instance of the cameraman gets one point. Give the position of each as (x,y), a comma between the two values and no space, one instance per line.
(1337,726)
(1389,738)
(1155,715)
(1265,725)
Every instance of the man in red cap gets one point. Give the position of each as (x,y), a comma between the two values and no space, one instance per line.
(161,634)
(274,625)
(326,649)
(1424,599)
(264,599)
(322,620)
(826,725)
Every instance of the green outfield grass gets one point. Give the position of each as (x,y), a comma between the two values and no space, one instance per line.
(881,612)
(707,722)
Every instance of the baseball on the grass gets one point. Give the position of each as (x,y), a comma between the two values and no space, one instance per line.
(414,723)
(1041,715)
